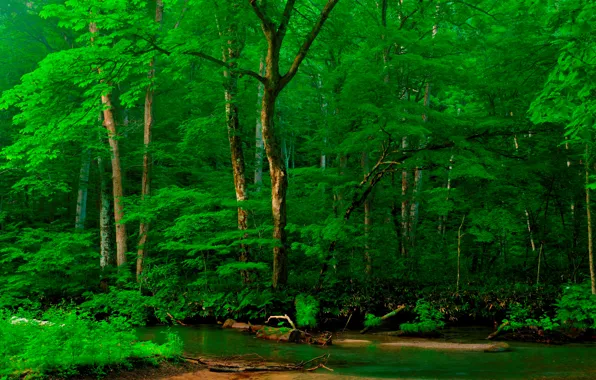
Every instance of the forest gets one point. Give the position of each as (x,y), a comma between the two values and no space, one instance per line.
(190,161)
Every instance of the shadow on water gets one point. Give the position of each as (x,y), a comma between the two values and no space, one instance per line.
(525,361)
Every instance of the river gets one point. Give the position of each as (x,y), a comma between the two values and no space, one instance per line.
(525,361)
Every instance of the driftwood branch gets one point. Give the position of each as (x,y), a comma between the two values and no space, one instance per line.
(285,316)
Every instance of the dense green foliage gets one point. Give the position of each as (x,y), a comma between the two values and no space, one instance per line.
(428,319)
(437,150)
(69,343)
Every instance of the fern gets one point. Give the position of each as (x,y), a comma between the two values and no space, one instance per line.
(307,308)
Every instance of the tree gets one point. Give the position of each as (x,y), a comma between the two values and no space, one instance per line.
(274,82)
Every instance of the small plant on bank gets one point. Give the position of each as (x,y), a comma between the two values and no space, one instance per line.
(307,308)
(428,320)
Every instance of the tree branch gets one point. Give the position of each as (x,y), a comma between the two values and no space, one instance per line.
(307,43)
(266,23)
(285,20)
(209,58)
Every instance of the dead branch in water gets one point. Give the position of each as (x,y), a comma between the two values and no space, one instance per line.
(175,320)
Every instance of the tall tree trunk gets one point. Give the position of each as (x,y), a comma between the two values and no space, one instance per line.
(147,130)
(589,216)
(104,215)
(367,219)
(259,145)
(117,189)
(459,236)
(279,185)
(83,190)
(405,222)
(274,83)
(324,112)
(230,53)
(237,156)
(110,125)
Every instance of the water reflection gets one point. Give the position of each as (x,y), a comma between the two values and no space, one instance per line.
(526,361)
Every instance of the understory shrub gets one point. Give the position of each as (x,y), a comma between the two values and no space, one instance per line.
(307,308)
(519,317)
(65,343)
(577,306)
(428,320)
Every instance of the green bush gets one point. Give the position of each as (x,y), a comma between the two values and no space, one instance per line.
(577,306)
(66,343)
(307,308)
(371,320)
(428,319)
(519,317)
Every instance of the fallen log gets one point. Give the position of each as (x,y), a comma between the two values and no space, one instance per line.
(498,332)
(232,324)
(258,364)
(282,334)
(285,334)
(385,317)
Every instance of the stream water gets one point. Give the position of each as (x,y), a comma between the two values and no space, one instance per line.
(525,361)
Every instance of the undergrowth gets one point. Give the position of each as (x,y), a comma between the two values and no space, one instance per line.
(67,343)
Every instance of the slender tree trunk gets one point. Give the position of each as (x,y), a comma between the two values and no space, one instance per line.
(147,160)
(110,125)
(279,185)
(589,216)
(459,237)
(405,220)
(237,156)
(117,189)
(104,216)
(274,82)
(367,219)
(539,262)
(82,193)
(259,145)
(230,52)
(324,112)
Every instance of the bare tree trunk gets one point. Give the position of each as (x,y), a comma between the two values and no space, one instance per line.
(81,215)
(147,130)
